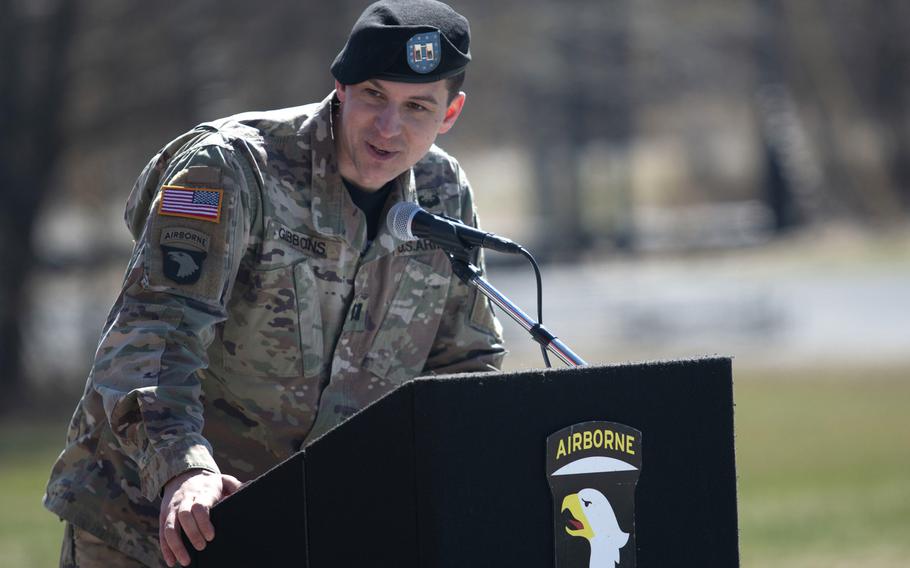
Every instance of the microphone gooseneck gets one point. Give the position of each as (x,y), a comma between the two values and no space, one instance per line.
(407,221)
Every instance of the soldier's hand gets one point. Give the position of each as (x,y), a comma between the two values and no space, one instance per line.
(185,505)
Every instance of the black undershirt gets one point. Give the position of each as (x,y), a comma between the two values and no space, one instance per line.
(371,203)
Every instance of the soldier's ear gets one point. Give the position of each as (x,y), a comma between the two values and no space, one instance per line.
(340,90)
(453,111)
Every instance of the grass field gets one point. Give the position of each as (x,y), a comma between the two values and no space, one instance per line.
(29,535)
(823,459)
(824,468)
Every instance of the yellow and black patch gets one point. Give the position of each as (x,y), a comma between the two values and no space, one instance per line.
(593,469)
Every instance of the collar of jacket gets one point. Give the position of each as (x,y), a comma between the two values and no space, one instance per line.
(331,203)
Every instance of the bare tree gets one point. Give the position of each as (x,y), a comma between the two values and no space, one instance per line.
(33,73)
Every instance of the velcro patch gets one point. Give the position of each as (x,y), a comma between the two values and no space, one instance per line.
(181,265)
(190,202)
(308,244)
(357,315)
(185,237)
(419,246)
(203,175)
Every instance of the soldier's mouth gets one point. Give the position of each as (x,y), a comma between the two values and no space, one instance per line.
(379,153)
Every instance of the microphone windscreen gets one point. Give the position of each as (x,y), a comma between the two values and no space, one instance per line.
(399,220)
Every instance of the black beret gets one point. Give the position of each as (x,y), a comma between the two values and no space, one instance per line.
(412,41)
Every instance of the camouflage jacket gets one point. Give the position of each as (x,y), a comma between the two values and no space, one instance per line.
(254,317)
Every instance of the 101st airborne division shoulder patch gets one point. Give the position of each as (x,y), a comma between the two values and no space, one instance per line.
(593,468)
(183,252)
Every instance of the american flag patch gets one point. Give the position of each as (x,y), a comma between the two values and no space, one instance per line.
(204,204)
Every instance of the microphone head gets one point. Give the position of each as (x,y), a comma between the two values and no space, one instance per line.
(399,220)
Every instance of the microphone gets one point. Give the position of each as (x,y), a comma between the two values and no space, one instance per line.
(407,221)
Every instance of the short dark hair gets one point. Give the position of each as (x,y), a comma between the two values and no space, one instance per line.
(453,85)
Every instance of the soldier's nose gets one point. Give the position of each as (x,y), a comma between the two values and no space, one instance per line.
(388,122)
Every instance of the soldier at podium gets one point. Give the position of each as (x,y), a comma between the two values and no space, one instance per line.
(265,300)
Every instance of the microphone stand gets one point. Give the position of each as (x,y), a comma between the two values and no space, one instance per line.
(470,275)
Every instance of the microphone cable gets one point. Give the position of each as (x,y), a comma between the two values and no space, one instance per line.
(524,252)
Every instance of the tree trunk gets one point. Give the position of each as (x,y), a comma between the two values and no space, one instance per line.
(33,77)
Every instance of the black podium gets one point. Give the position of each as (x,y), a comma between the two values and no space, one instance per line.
(451,472)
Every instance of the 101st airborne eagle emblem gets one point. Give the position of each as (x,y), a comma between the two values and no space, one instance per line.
(593,469)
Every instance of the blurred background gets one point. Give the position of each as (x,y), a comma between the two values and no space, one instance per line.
(698,178)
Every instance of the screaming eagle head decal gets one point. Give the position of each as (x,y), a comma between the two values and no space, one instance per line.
(183,252)
(593,468)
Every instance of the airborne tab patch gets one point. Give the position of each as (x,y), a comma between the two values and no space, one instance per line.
(185,236)
(593,468)
(192,203)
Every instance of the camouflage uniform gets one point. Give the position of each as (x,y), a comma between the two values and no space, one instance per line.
(84,550)
(292,324)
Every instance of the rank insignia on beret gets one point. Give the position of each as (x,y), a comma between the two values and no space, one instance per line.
(424,52)
(181,265)
(191,203)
